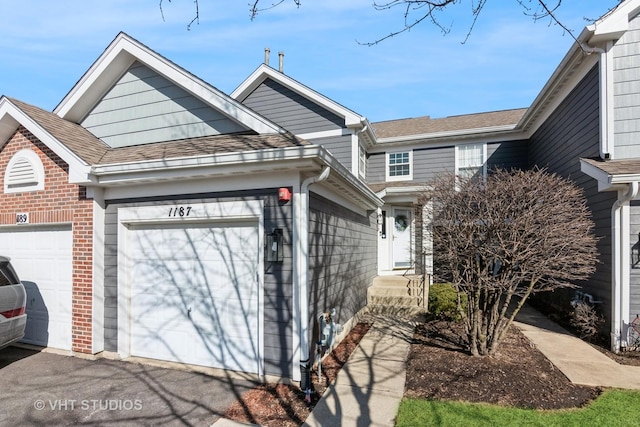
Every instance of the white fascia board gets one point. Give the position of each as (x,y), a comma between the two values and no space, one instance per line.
(606,181)
(11,117)
(573,68)
(338,169)
(198,166)
(232,166)
(613,25)
(486,132)
(352,120)
(395,191)
(117,59)
(577,62)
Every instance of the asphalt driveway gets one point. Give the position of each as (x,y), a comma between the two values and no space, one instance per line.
(41,389)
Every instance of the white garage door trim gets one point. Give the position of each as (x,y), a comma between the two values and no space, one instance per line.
(187,214)
(43,258)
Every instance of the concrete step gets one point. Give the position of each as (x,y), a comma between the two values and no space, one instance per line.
(402,301)
(388,291)
(390,281)
(392,292)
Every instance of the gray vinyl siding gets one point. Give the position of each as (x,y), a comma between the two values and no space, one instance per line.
(339,146)
(278,278)
(291,110)
(429,162)
(144,107)
(376,163)
(626,73)
(572,132)
(342,259)
(634,241)
(507,155)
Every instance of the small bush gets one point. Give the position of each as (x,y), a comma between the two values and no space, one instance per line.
(443,300)
(585,320)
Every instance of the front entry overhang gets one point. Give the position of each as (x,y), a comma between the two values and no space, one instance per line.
(622,176)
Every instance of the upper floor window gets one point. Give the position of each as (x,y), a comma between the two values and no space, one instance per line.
(24,173)
(471,160)
(399,166)
(362,162)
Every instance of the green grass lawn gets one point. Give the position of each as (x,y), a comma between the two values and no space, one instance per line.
(612,408)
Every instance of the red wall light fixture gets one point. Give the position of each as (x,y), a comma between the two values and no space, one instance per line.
(284,194)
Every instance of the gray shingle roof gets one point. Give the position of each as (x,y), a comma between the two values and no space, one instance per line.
(94,151)
(616,167)
(200,146)
(79,140)
(427,125)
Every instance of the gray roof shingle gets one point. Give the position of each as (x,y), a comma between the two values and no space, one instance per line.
(94,151)
(426,125)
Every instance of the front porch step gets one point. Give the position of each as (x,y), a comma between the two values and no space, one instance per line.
(393,292)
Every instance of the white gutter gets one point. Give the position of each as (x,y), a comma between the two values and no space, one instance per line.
(301,257)
(620,268)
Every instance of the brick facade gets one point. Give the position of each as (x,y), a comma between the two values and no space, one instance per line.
(59,202)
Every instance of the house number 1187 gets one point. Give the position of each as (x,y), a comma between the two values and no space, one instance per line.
(180,211)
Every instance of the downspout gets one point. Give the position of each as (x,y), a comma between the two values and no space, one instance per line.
(607,133)
(302,257)
(620,261)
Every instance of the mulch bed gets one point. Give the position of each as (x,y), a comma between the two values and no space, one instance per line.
(438,368)
(518,375)
(282,405)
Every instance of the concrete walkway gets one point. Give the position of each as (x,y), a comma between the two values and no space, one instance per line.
(579,361)
(370,386)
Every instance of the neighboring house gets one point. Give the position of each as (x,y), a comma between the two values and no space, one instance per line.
(584,125)
(151,215)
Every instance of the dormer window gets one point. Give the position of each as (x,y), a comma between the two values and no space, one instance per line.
(24,173)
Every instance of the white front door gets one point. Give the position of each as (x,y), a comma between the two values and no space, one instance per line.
(194,294)
(402,231)
(42,257)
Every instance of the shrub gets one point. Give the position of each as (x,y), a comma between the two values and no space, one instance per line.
(585,320)
(443,300)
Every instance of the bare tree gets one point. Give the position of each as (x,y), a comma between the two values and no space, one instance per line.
(415,12)
(499,240)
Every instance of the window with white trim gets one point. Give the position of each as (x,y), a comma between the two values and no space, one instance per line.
(362,162)
(471,160)
(400,166)
(24,173)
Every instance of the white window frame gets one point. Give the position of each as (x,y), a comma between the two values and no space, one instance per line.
(34,182)
(409,176)
(362,161)
(483,152)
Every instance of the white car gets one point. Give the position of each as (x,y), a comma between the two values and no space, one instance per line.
(13,300)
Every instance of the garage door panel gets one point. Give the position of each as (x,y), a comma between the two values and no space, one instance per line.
(42,256)
(194,295)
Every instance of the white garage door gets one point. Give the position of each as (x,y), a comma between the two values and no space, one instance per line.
(42,257)
(194,294)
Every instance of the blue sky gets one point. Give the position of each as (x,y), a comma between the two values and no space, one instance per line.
(46,46)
